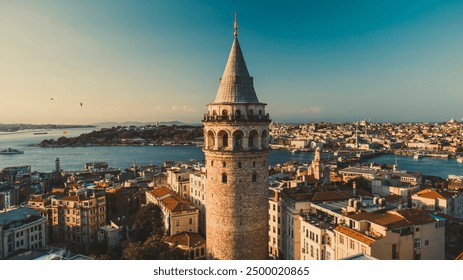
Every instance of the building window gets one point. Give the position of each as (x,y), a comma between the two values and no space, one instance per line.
(426,243)
(177,223)
(341,239)
(224,164)
(212,163)
(253,164)
(239,164)
(254,177)
(417,242)
(364,249)
(224,178)
(274,207)
(190,221)
(352,245)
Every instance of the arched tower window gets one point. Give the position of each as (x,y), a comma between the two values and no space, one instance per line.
(224,164)
(224,178)
(264,139)
(238,112)
(252,139)
(224,112)
(260,112)
(210,139)
(214,113)
(250,112)
(238,140)
(223,139)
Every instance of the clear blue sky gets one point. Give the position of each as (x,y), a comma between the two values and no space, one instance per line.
(161,60)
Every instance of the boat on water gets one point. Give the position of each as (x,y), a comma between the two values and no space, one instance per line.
(11,151)
(460,159)
(417,156)
(40,132)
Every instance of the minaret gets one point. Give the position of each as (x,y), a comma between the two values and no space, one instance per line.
(236,151)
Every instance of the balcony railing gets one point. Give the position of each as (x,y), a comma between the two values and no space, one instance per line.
(237,118)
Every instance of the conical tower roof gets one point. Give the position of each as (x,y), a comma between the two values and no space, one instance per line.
(236,85)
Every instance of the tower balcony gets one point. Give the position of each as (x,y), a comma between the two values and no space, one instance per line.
(236,118)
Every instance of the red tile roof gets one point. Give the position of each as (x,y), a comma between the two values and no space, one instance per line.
(355,235)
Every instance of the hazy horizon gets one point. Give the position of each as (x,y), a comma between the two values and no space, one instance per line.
(158,61)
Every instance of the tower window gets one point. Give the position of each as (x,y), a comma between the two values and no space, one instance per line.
(254,177)
(225,140)
(253,164)
(224,112)
(239,164)
(224,164)
(224,178)
(212,163)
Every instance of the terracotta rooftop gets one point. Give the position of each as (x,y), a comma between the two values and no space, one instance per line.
(433,194)
(170,200)
(188,239)
(330,196)
(355,235)
(71,198)
(416,216)
(460,257)
(385,219)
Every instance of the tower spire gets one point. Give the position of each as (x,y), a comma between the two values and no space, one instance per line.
(235,25)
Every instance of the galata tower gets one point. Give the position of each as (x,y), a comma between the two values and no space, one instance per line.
(236,129)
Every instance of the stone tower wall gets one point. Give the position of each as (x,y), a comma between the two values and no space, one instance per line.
(237,210)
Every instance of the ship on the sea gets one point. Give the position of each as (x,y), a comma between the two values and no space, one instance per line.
(40,132)
(11,151)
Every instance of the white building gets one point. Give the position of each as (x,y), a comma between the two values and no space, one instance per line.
(450,203)
(21,228)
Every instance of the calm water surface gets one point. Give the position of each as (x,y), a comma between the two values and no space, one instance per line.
(43,159)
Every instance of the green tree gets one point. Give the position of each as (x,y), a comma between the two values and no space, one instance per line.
(148,221)
(152,249)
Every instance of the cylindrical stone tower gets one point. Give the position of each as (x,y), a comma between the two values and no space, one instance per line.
(236,129)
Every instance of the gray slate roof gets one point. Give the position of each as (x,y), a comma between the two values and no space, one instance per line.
(236,85)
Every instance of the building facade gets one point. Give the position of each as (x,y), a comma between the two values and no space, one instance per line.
(21,229)
(236,129)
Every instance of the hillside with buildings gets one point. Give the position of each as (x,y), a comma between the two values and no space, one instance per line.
(132,135)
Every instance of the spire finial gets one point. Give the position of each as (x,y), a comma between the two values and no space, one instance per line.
(236,25)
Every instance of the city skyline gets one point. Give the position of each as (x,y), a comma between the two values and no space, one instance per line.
(88,62)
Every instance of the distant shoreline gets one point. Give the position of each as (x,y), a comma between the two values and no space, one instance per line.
(6,129)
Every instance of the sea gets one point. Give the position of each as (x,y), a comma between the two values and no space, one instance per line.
(73,158)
